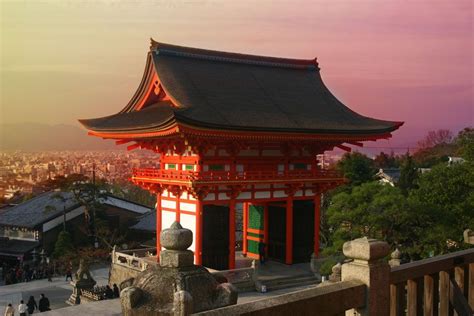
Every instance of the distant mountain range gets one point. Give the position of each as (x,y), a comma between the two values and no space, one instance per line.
(37,137)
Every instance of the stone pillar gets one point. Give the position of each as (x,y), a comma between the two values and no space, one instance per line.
(369,267)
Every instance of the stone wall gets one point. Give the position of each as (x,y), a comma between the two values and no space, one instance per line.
(120,273)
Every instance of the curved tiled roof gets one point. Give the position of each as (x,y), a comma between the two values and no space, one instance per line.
(220,90)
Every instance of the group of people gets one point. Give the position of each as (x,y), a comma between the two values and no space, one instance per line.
(29,307)
(18,274)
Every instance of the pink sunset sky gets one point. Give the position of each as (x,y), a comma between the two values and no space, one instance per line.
(398,60)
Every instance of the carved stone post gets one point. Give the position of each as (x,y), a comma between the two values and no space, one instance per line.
(395,258)
(369,267)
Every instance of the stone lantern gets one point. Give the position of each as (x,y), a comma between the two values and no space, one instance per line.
(176,286)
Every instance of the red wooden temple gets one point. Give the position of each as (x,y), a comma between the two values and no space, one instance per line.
(231,130)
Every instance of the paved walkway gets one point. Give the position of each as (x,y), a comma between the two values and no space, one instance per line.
(57,291)
(113,308)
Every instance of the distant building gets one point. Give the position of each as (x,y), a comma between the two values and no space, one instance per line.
(36,223)
(388,176)
(453,160)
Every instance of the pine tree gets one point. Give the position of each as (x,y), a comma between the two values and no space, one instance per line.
(63,245)
(408,175)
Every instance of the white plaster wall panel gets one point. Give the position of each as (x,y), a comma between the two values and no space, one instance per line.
(309,193)
(210,197)
(271,152)
(189,222)
(248,152)
(222,153)
(183,195)
(244,195)
(126,205)
(183,206)
(281,168)
(279,194)
(262,195)
(299,193)
(227,167)
(205,168)
(167,218)
(165,193)
(168,204)
(239,168)
(59,220)
(262,186)
(223,196)
(191,197)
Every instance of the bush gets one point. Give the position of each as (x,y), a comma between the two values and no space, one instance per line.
(64,245)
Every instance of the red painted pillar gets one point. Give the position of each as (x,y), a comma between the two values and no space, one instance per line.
(245,225)
(289,231)
(317,222)
(178,209)
(158,225)
(232,234)
(265,228)
(198,246)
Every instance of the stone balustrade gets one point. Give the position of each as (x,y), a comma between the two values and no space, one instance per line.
(132,259)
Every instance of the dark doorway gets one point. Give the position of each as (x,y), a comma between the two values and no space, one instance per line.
(276,233)
(215,239)
(303,231)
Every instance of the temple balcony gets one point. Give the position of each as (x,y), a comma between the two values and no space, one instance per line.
(149,175)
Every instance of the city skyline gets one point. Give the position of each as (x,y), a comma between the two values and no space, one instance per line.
(62,61)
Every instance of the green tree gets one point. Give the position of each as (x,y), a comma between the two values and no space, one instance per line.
(408,175)
(465,142)
(383,160)
(371,209)
(357,168)
(63,245)
(445,197)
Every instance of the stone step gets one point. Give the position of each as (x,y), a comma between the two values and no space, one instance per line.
(288,282)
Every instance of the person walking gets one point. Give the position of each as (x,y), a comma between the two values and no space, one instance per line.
(116,291)
(43,305)
(9,311)
(108,292)
(69,273)
(31,305)
(261,252)
(22,308)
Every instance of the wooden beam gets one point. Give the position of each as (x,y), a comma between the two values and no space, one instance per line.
(132,147)
(245,223)
(158,225)
(457,299)
(345,148)
(317,222)
(122,141)
(198,247)
(289,231)
(232,234)
(356,143)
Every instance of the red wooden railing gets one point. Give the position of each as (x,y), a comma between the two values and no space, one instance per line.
(234,176)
